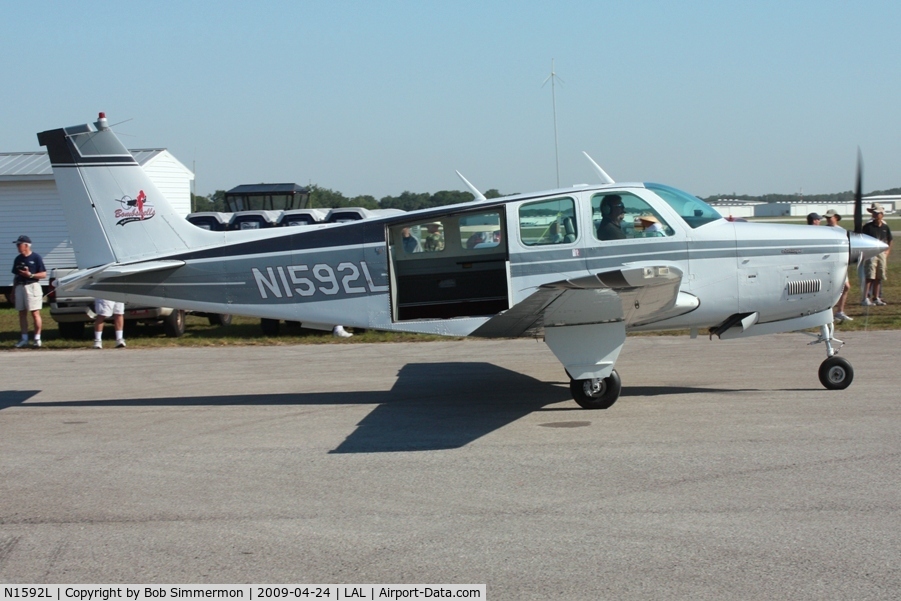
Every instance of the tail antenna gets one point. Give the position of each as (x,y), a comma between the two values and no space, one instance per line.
(475,191)
(605,179)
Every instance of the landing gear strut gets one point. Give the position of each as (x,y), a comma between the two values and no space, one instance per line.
(596,393)
(835,372)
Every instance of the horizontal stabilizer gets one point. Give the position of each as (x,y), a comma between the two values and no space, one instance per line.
(114,271)
(79,279)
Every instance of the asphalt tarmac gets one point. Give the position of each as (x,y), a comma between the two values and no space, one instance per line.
(725,471)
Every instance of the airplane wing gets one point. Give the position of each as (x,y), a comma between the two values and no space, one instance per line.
(637,294)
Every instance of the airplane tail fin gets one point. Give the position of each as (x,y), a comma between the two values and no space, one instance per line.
(114,211)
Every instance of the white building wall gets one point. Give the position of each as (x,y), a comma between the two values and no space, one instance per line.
(33,209)
(727,210)
(173,180)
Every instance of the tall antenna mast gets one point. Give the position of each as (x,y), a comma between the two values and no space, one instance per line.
(553,76)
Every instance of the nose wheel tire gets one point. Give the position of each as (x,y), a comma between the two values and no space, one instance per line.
(836,373)
(599,393)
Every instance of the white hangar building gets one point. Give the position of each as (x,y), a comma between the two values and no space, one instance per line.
(30,203)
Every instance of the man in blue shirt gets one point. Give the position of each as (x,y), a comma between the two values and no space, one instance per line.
(29,269)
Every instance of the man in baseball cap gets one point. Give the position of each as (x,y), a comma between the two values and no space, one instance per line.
(29,269)
(813,219)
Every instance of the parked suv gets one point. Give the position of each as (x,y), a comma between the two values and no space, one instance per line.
(71,313)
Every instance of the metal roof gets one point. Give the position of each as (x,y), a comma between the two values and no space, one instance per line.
(257,189)
(20,166)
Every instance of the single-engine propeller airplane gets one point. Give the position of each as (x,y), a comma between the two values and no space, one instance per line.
(581,266)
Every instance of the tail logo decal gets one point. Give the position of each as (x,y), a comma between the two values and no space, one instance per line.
(134,209)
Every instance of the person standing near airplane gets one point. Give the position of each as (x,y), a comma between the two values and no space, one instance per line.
(876,267)
(104,309)
(814,219)
(832,219)
(29,270)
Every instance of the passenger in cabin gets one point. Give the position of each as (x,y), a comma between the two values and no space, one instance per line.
(434,241)
(651,226)
(475,239)
(410,242)
(552,234)
(612,213)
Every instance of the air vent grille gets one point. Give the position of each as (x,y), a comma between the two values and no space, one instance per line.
(804,287)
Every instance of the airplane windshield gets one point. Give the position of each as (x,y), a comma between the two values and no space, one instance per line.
(693,210)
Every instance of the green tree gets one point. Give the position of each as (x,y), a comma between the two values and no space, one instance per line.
(407,201)
(213,202)
(324,198)
(450,197)
(366,201)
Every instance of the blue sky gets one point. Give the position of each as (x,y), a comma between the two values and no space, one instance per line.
(377,97)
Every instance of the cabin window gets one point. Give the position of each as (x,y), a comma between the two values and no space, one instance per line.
(548,222)
(621,215)
(480,230)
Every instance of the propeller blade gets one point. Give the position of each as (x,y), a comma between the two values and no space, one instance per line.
(858,195)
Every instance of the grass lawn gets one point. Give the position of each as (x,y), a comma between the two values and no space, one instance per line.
(198,332)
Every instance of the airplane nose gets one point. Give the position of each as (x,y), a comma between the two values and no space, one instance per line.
(864,245)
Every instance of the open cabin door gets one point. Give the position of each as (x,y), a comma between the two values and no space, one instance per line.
(450,266)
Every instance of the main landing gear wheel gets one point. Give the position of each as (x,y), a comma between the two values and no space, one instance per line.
(836,373)
(599,393)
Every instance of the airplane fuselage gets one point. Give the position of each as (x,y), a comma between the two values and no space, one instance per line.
(358,274)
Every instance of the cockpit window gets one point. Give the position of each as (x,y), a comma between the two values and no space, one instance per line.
(693,210)
(621,215)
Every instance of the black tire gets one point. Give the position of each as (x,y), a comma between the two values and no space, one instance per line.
(73,330)
(174,323)
(270,327)
(220,319)
(603,398)
(836,373)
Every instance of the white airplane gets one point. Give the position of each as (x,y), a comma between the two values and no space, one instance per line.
(579,266)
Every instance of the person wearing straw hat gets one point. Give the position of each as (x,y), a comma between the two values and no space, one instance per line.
(875,268)
(651,226)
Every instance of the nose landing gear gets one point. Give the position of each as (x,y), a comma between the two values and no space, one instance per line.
(835,372)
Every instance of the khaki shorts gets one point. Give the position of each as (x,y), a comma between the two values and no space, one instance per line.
(29,297)
(876,267)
